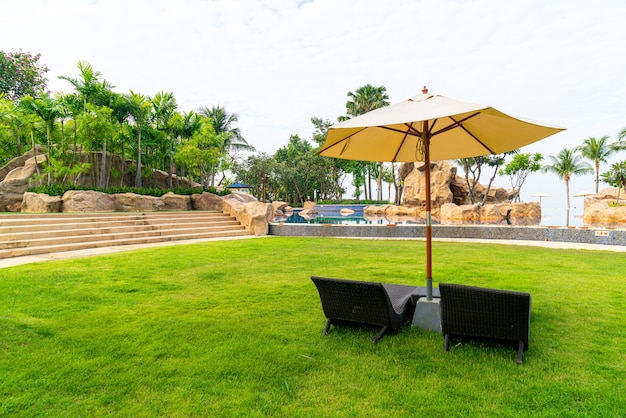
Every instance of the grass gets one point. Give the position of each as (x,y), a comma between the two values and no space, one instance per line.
(233,328)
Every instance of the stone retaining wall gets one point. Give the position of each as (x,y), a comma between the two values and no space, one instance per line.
(495,232)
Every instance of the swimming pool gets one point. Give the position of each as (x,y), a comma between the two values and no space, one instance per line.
(332,214)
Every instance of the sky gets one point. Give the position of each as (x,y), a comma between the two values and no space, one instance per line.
(278,63)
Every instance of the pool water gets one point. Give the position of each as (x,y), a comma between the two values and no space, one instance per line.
(329,214)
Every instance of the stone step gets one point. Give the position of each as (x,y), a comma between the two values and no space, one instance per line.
(103,236)
(64,230)
(31,234)
(77,223)
(24,251)
(7,221)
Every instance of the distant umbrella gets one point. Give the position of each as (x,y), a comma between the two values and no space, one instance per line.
(541,195)
(584,194)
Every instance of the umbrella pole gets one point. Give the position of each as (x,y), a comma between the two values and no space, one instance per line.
(429,273)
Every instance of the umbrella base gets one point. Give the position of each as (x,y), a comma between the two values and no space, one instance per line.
(427,315)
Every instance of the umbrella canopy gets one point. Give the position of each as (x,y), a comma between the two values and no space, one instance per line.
(541,195)
(430,128)
(584,194)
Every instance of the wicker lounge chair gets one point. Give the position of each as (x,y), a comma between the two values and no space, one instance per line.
(477,312)
(370,303)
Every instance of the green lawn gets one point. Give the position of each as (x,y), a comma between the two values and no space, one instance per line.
(234,328)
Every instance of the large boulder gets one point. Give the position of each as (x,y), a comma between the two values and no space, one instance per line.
(603,210)
(206,201)
(232,206)
(392,213)
(257,216)
(528,213)
(441,175)
(133,202)
(87,201)
(461,193)
(16,182)
(161,181)
(241,197)
(21,160)
(40,202)
(254,215)
(172,201)
(445,185)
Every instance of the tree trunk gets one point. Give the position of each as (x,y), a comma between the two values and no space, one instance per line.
(567,195)
(103,164)
(32,138)
(138,175)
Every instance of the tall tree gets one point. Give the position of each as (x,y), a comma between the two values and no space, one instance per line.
(616,177)
(140,108)
(182,127)
(164,106)
(597,150)
(473,167)
(89,84)
(94,90)
(11,129)
(232,141)
(47,109)
(565,165)
(21,74)
(363,100)
(518,170)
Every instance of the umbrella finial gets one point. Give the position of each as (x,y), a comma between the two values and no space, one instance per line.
(424,90)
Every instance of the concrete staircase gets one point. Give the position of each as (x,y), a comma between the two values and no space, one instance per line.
(31,234)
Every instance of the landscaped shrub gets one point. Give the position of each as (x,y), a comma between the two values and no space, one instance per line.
(59,190)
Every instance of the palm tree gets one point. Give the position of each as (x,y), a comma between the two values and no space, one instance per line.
(596,150)
(622,134)
(183,127)
(164,106)
(231,139)
(88,85)
(363,100)
(47,109)
(140,107)
(565,165)
(366,98)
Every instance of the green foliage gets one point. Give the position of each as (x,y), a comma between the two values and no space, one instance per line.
(519,168)
(197,330)
(616,177)
(60,189)
(473,166)
(21,74)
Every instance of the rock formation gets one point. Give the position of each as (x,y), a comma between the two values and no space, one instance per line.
(16,182)
(528,213)
(448,190)
(602,210)
(39,202)
(445,186)
(255,215)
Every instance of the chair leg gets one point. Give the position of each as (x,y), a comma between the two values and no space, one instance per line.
(520,352)
(380,334)
(446,342)
(327,327)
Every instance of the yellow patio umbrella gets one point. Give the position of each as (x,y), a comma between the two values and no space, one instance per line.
(428,128)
